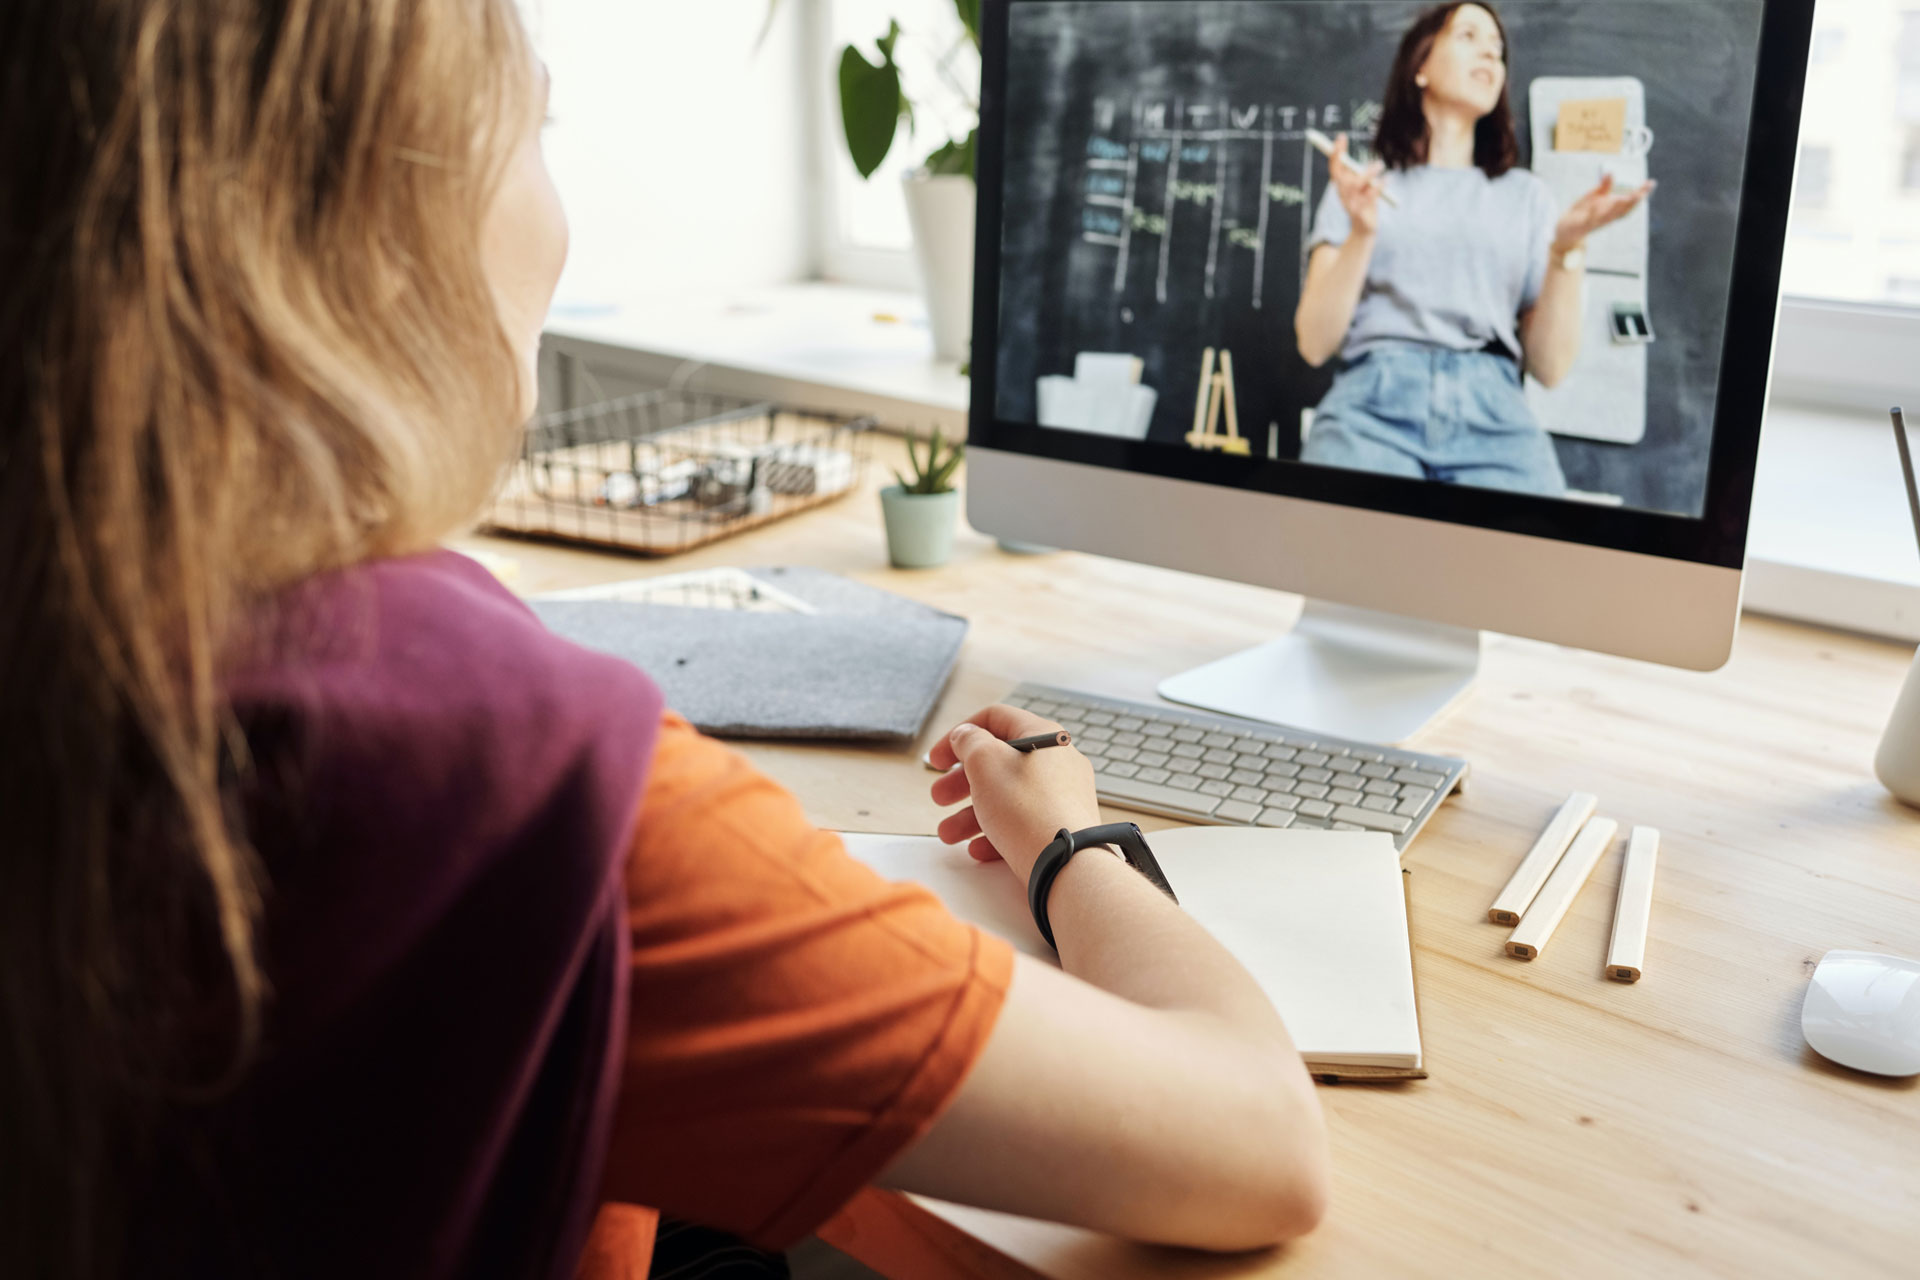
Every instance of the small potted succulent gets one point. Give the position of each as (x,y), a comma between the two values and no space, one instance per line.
(922,511)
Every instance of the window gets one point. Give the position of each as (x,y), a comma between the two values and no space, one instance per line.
(1813,180)
(865,222)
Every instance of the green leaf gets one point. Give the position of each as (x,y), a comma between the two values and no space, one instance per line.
(955,159)
(870,103)
(906,485)
(969,11)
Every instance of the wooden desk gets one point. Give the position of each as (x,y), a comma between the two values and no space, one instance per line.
(1572,1125)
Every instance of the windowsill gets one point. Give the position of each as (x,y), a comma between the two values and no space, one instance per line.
(1830,540)
(824,346)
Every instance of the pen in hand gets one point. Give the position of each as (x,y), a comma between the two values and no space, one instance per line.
(1058,738)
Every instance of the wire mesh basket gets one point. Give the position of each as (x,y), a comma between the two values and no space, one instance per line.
(666,471)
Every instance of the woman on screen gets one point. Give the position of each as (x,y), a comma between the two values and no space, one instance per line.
(1437,303)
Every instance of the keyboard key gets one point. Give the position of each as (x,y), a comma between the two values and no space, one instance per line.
(1249,746)
(1153,775)
(1279,786)
(1121,790)
(1314,808)
(1317,758)
(1189,751)
(1182,765)
(1370,756)
(1303,822)
(1246,761)
(1121,753)
(1377,770)
(1279,770)
(1099,717)
(1236,811)
(1158,742)
(1347,826)
(1246,778)
(1275,818)
(1379,804)
(1419,778)
(1316,775)
(1119,770)
(1344,795)
(1185,782)
(1282,802)
(1416,793)
(1371,820)
(1216,772)
(1128,739)
(1091,748)
(1254,796)
(1375,787)
(1349,781)
(1279,751)
(1217,740)
(1221,789)
(1314,791)
(1217,756)
(1151,759)
(1411,808)
(1188,735)
(1127,724)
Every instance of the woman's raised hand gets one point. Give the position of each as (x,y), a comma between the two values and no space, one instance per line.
(1359,188)
(1594,210)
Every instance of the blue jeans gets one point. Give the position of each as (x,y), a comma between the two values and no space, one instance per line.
(1427,413)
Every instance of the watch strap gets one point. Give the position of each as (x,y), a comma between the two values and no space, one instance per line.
(1123,835)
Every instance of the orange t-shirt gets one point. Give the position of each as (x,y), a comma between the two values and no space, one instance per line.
(795,1021)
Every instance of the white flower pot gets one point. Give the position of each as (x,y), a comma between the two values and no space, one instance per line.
(941,211)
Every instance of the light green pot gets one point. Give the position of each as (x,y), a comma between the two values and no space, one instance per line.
(919,526)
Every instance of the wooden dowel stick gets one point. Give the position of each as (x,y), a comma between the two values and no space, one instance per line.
(1541,859)
(1233,405)
(1562,887)
(1631,910)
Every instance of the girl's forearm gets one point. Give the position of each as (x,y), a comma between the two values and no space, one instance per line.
(1335,279)
(1550,333)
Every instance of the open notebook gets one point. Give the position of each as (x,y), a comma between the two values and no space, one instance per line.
(1318,917)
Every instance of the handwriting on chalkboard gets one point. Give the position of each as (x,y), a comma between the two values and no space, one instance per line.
(1180,149)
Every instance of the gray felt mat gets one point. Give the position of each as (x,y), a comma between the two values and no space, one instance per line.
(868,665)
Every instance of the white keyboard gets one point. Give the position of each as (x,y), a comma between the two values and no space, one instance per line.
(1229,772)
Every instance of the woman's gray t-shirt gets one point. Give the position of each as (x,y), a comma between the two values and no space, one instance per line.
(1454,264)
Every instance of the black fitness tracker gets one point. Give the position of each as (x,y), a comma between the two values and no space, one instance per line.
(1132,845)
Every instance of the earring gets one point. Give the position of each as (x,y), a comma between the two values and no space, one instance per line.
(1421,81)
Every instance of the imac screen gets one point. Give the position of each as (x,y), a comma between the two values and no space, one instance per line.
(1479,244)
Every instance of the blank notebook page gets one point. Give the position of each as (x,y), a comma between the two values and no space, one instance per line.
(1318,917)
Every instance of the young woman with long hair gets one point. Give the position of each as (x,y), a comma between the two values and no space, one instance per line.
(1437,305)
(352,924)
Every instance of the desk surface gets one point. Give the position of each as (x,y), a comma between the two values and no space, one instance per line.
(1572,1125)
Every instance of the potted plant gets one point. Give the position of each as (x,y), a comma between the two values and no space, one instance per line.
(940,193)
(921,512)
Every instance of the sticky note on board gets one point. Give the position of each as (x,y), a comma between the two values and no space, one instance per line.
(1591,124)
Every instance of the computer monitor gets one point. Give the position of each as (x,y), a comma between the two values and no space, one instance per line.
(1440,396)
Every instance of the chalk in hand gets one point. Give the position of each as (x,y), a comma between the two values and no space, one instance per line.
(1325,146)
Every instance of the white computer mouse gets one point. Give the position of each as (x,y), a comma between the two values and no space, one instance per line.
(1863,1011)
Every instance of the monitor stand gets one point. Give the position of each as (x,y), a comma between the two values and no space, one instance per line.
(1350,673)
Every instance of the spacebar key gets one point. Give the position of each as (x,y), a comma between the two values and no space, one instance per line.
(1121,790)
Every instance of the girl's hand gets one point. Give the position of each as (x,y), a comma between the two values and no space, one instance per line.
(1359,188)
(1600,207)
(1020,800)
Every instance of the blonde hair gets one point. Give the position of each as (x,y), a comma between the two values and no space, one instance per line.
(245,336)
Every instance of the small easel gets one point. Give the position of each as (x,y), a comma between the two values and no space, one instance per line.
(1216,390)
